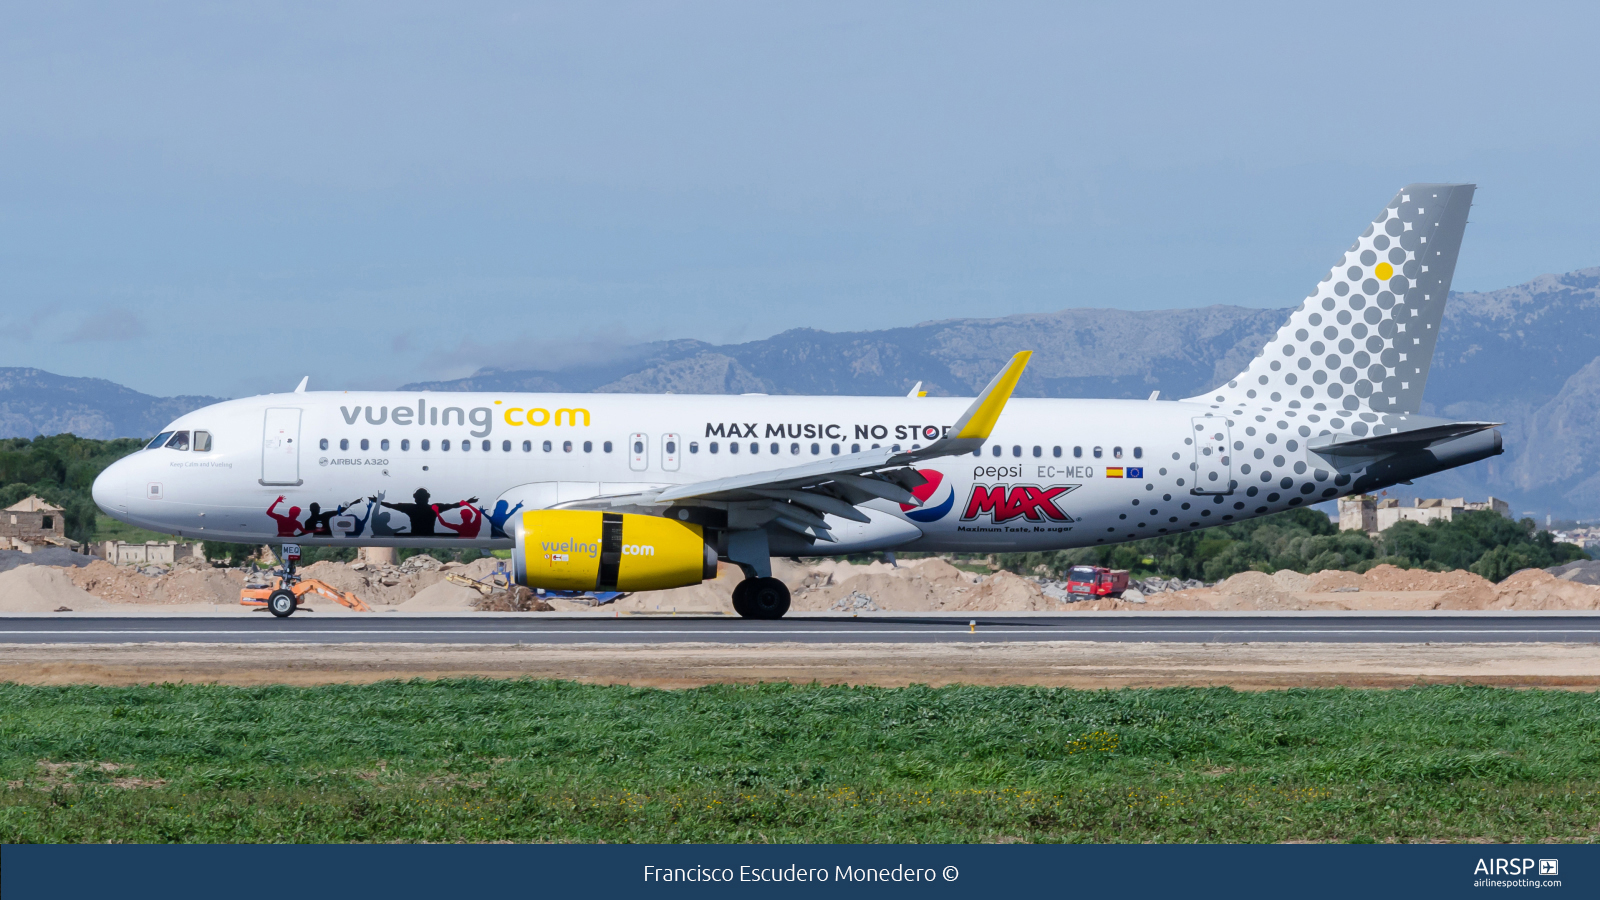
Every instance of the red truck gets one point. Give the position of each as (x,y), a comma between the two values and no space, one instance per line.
(1088,582)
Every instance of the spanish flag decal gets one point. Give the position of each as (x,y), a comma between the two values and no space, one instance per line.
(1114,472)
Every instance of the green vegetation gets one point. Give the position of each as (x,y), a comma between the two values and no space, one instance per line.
(1306,541)
(61,469)
(109,529)
(478,760)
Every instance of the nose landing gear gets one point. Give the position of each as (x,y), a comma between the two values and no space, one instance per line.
(282,603)
(761,598)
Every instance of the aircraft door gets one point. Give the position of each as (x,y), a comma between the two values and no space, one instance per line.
(1213,462)
(671,447)
(280,447)
(638,452)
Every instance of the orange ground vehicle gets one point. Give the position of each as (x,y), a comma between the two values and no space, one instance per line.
(1088,582)
(282,596)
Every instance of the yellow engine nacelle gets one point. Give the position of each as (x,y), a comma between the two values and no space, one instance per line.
(580,550)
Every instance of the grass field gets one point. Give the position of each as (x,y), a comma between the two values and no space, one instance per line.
(555,761)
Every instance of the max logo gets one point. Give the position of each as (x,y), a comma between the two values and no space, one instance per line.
(1018,501)
(931,510)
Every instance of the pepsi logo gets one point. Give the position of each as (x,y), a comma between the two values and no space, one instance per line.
(937,498)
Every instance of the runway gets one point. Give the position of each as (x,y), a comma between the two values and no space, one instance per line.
(809,630)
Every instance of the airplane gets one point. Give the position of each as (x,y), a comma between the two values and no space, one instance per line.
(632,492)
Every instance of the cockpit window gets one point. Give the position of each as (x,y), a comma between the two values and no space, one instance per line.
(180,441)
(202,441)
(158,440)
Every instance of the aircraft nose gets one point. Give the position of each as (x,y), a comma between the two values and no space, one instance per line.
(110,490)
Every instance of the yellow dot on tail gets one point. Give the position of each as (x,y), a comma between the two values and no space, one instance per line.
(1384,271)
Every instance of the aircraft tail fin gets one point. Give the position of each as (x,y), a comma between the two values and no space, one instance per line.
(1362,342)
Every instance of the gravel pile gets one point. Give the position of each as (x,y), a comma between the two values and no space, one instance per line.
(42,556)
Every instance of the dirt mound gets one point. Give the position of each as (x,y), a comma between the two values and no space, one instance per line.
(1538,589)
(1334,579)
(443,596)
(383,585)
(1464,590)
(919,586)
(185,584)
(42,589)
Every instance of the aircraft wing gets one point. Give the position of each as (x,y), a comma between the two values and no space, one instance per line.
(797,497)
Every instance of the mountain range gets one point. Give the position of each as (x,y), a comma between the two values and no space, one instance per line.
(1528,356)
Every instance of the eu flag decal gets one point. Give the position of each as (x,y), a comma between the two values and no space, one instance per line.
(1136,473)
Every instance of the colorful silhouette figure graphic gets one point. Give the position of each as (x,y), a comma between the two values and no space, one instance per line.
(288,525)
(360,521)
(424,515)
(317,518)
(471,521)
(498,518)
(381,517)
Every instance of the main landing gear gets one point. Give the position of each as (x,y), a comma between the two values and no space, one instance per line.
(761,598)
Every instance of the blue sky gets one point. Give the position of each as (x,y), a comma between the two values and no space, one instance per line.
(199,198)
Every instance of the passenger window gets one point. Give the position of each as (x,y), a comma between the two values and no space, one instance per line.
(694,446)
(344,444)
(202,441)
(756,448)
(997,450)
(566,446)
(713,447)
(588,446)
(527,446)
(816,449)
(364,444)
(855,448)
(323,444)
(383,444)
(1077,453)
(794,449)
(505,446)
(774,448)
(672,446)
(1038,451)
(547,446)
(488,445)
(180,441)
(443,445)
(1138,453)
(1056,452)
(466,446)
(732,447)
(405,444)
(1097,453)
(606,446)
(1116,452)
(424,445)
(638,446)
(835,449)
(895,448)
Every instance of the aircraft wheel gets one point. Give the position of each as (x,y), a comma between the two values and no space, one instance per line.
(282,603)
(741,598)
(768,598)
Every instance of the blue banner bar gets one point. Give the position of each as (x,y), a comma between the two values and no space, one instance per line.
(352,872)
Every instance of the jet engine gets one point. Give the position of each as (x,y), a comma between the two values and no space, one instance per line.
(584,550)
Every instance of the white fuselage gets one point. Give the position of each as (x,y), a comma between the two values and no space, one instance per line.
(1054,474)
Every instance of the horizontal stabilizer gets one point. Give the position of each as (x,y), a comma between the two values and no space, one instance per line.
(1395,441)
